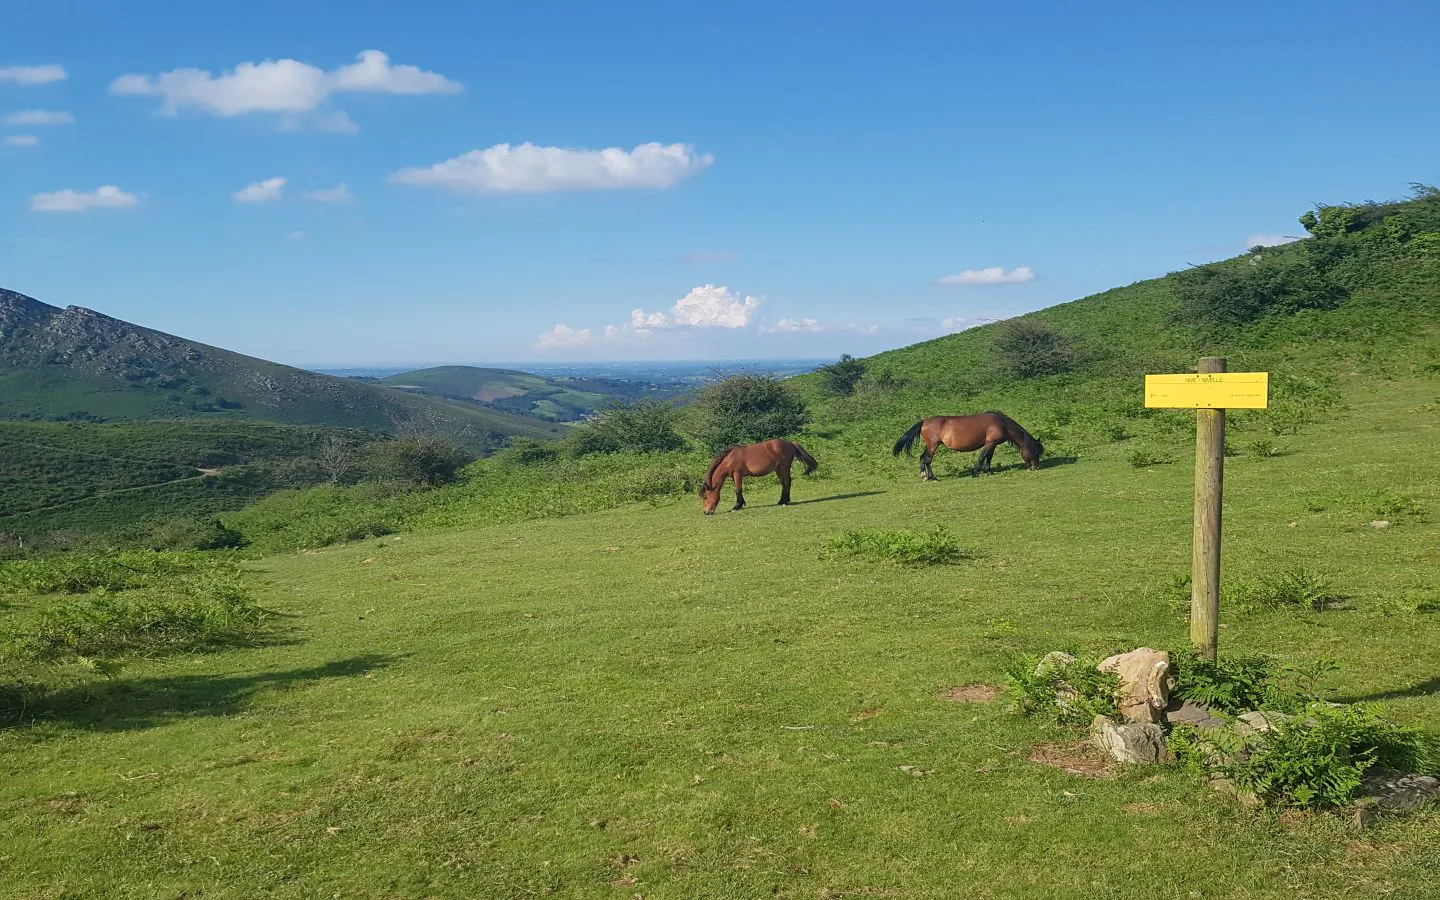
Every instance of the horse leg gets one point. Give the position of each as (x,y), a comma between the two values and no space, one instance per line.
(783,473)
(988,454)
(983,460)
(739,492)
(926,472)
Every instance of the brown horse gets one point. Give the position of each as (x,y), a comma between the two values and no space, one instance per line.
(754,460)
(981,431)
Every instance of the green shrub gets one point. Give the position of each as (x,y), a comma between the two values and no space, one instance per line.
(1296,586)
(1231,684)
(1073,693)
(841,377)
(1238,294)
(1319,758)
(1398,508)
(206,612)
(76,573)
(528,452)
(1142,459)
(422,459)
(1264,448)
(744,409)
(933,547)
(1031,348)
(642,426)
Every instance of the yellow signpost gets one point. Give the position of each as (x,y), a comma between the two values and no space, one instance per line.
(1210,391)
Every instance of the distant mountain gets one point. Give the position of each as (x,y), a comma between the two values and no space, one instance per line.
(556,399)
(77,364)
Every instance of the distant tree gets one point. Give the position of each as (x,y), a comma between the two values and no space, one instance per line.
(1031,348)
(841,377)
(1237,295)
(422,460)
(640,426)
(743,409)
(337,456)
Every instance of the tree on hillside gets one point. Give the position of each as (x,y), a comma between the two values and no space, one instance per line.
(336,457)
(743,409)
(1031,348)
(841,377)
(641,426)
(422,460)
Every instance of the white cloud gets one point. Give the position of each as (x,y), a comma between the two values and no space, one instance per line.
(108,196)
(563,335)
(792,325)
(527,168)
(707,306)
(31,74)
(297,235)
(21,140)
(1269,240)
(261,191)
(40,117)
(338,194)
(286,86)
(715,307)
(992,275)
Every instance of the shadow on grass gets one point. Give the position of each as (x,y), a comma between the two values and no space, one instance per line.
(1419,689)
(850,496)
(128,705)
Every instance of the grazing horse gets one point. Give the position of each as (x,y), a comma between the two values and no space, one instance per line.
(981,431)
(754,460)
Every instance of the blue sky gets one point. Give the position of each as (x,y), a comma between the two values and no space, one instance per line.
(782,180)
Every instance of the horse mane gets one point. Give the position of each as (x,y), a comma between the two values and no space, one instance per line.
(1017,434)
(715,464)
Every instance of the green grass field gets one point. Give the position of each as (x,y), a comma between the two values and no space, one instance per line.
(645,702)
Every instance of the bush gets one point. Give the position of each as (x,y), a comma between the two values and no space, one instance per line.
(841,377)
(643,426)
(1319,759)
(1230,684)
(1241,294)
(422,459)
(932,547)
(744,409)
(528,452)
(1296,586)
(78,573)
(191,533)
(1073,693)
(1031,348)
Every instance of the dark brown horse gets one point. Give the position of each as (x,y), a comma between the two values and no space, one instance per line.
(754,460)
(981,431)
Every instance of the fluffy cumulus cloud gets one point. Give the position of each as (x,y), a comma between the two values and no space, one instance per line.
(340,193)
(30,75)
(40,117)
(992,275)
(794,325)
(707,306)
(107,197)
(1269,240)
(288,87)
(527,168)
(20,140)
(265,191)
(563,336)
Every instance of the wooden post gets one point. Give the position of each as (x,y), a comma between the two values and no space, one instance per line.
(1209,481)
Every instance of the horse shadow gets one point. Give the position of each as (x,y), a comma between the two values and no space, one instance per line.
(1419,689)
(135,704)
(850,496)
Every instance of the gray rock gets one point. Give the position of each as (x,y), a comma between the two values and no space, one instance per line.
(1188,712)
(1134,744)
(1257,722)
(1054,661)
(1392,792)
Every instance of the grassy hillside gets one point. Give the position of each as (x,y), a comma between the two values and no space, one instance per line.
(555,399)
(78,364)
(647,701)
(558,678)
(63,483)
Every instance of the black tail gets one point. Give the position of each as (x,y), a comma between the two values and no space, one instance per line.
(907,439)
(807,459)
